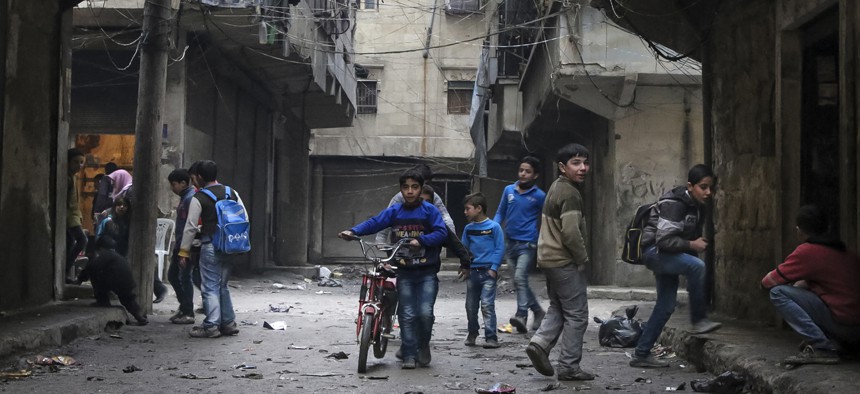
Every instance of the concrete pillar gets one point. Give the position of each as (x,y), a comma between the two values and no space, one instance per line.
(173,136)
(261,193)
(315,242)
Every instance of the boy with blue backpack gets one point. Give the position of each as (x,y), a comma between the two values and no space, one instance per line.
(224,231)
(484,239)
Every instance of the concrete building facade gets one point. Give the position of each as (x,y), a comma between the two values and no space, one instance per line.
(416,68)
(586,80)
(781,126)
(246,81)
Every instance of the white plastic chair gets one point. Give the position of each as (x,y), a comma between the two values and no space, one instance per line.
(163,239)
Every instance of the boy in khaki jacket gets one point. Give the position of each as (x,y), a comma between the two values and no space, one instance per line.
(563,258)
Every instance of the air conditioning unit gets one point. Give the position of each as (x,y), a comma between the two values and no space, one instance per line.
(462,6)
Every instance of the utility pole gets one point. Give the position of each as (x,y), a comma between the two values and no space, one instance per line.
(157,23)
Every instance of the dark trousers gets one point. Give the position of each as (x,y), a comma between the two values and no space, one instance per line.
(124,292)
(180,279)
(76,241)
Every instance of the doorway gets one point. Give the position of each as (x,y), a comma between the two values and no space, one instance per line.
(819,137)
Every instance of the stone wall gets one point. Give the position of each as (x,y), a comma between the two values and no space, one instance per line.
(30,169)
(742,82)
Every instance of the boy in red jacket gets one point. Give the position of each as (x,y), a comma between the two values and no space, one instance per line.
(815,290)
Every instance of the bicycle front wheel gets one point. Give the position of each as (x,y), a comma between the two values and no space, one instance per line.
(380,340)
(365,339)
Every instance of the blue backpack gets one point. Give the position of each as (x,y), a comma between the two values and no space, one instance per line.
(233,235)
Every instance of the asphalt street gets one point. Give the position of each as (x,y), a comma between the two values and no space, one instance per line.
(320,322)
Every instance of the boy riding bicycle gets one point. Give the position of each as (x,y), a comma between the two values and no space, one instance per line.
(417,283)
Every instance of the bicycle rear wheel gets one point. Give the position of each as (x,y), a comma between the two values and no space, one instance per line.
(364,341)
(380,343)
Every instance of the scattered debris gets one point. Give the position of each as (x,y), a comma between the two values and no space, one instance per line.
(131,368)
(94,337)
(614,387)
(249,375)
(524,365)
(235,286)
(456,386)
(278,285)
(248,323)
(244,366)
(280,308)
(193,376)
(95,378)
(257,341)
(508,328)
(338,356)
(681,387)
(56,360)
(382,377)
(728,382)
(15,374)
(498,388)
(321,374)
(620,331)
(643,380)
(323,272)
(553,386)
(297,347)
(329,282)
(116,336)
(323,292)
(278,325)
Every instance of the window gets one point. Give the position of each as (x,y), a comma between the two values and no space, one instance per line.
(366,97)
(460,97)
(367,4)
(462,6)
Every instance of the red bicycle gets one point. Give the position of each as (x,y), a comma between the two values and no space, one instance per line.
(377,301)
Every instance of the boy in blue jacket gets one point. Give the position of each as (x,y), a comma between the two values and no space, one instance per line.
(417,283)
(484,239)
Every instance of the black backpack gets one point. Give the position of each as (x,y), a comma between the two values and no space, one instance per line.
(632,240)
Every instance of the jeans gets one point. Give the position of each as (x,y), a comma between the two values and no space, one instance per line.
(417,292)
(76,241)
(667,267)
(810,317)
(521,257)
(481,291)
(180,279)
(215,272)
(566,317)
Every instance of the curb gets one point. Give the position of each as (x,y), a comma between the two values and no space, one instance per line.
(53,325)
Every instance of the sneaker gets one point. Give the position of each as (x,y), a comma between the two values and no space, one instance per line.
(811,355)
(183,319)
(705,326)
(538,318)
(540,359)
(424,356)
(491,344)
(408,364)
(575,375)
(648,362)
(470,339)
(176,315)
(519,322)
(160,293)
(229,329)
(141,320)
(200,332)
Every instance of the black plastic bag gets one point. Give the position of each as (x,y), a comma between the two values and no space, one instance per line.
(727,383)
(620,331)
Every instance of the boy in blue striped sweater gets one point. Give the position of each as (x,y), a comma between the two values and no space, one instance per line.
(484,239)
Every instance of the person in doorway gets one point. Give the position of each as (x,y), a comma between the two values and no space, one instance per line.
(116,225)
(671,242)
(484,239)
(104,191)
(76,238)
(453,243)
(563,258)
(110,272)
(417,282)
(215,266)
(518,214)
(178,275)
(816,291)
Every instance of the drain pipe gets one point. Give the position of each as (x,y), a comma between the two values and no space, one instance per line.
(426,56)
